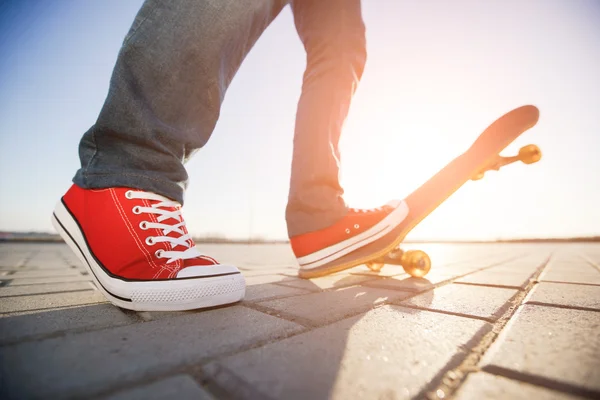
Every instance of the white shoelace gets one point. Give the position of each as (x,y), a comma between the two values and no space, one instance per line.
(365,210)
(182,240)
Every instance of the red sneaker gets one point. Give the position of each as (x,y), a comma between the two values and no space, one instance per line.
(357,229)
(138,251)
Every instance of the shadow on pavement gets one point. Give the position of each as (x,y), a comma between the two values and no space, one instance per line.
(298,352)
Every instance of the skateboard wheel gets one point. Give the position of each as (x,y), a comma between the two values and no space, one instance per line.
(396,254)
(416,263)
(530,154)
(375,266)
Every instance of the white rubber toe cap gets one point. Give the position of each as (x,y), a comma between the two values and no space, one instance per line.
(207,270)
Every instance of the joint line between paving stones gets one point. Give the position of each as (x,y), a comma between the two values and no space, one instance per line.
(453,378)
(282,284)
(564,306)
(279,314)
(569,283)
(456,314)
(44,293)
(134,319)
(241,388)
(590,261)
(493,285)
(541,381)
(277,297)
(50,308)
(309,324)
(195,369)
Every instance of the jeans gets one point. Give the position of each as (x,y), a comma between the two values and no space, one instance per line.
(170,78)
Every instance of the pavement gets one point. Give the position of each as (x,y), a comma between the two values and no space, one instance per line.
(500,321)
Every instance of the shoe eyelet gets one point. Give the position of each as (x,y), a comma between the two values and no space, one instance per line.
(347,230)
(158,253)
(128,194)
(136,210)
(356,226)
(150,241)
(144,225)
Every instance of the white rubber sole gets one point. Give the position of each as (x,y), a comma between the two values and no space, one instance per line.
(160,295)
(332,253)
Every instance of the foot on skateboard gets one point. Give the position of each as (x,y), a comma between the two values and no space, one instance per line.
(318,252)
(482,156)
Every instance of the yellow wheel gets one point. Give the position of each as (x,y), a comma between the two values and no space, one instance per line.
(530,154)
(375,266)
(396,254)
(416,263)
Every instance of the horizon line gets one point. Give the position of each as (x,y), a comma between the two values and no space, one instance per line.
(44,236)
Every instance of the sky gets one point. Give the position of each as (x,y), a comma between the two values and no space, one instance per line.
(438,73)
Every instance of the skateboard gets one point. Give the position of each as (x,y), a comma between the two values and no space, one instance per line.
(482,156)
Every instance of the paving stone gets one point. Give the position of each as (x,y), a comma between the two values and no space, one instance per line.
(48,273)
(260,279)
(339,280)
(408,283)
(157,315)
(12,260)
(6,269)
(478,301)
(8,291)
(271,271)
(38,281)
(565,294)
(387,271)
(37,269)
(47,262)
(391,352)
(575,267)
(516,279)
(558,344)
(70,258)
(180,387)
(481,385)
(98,359)
(49,301)
(269,290)
(525,269)
(21,327)
(594,261)
(325,307)
(575,272)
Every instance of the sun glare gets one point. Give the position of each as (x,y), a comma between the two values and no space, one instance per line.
(403,150)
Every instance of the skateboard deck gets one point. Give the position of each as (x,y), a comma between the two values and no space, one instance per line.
(482,156)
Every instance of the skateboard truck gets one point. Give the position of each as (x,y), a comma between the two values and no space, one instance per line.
(527,154)
(415,262)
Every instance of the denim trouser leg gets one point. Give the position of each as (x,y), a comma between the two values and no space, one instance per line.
(166,91)
(170,79)
(333,34)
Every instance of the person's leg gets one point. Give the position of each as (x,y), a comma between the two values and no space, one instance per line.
(322,229)
(122,216)
(333,34)
(166,91)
